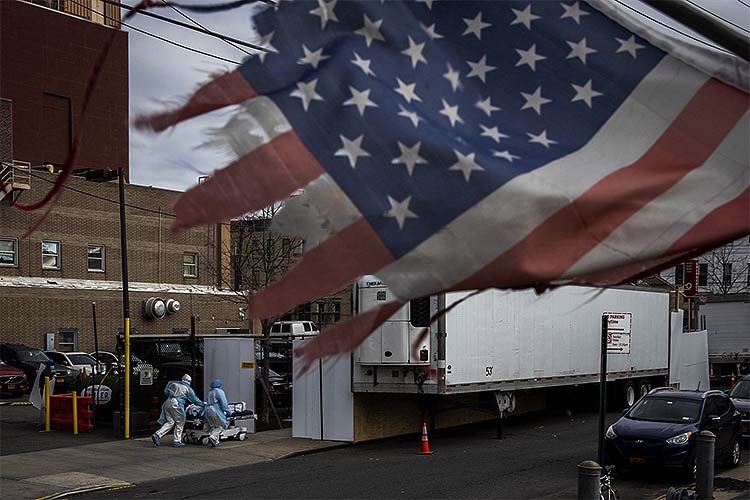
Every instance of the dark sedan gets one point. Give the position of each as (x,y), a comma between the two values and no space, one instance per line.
(662,427)
(740,395)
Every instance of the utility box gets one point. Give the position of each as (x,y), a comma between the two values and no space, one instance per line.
(233,361)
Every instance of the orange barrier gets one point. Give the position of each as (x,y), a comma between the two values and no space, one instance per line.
(62,415)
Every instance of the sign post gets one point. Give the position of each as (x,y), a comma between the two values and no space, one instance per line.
(603,386)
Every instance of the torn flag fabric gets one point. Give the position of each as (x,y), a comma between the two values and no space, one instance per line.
(470,145)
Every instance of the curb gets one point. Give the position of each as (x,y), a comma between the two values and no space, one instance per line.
(313,451)
(86,489)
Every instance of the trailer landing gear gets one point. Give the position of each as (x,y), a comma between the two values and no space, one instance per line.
(506,402)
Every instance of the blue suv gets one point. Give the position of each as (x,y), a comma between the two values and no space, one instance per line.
(661,429)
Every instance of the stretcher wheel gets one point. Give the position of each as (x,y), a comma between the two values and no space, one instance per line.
(185,439)
(242,436)
(204,441)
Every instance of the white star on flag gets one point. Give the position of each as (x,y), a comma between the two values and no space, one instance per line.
(415,53)
(573,12)
(312,58)
(428,3)
(486,106)
(410,115)
(451,112)
(352,149)
(580,50)
(505,155)
(408,91)
(363,64)
(409,156)
(535,100)
(265,42)
(360,99)
(306,92)
(541,139)
(492,133)
(325,12)
(454,77)
(529,57)
(630,46)
(480,68)
(475,26)
(371,31)
(524,17)
(465,164)
(584,93)
(400,211)
(430,32)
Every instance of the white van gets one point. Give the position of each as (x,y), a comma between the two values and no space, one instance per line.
(294,329)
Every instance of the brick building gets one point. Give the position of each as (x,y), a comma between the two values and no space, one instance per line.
(49,279)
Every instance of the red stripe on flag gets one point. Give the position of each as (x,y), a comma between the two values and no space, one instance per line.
(724,224)
(344,336)
(555,245)
(264,176)
(354,251)
(225,90)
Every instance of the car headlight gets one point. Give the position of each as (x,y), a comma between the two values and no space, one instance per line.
(610,434)
(680,438)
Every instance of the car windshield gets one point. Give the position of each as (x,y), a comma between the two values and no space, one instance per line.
(741,390)
(81,359)
(31,355)
(659,409)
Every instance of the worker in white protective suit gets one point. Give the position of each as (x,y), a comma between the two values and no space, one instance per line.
(216,413)
(178,392)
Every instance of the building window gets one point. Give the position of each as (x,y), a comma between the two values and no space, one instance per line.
(67,340)
(727,275)
(703,274)
(190,265)
(679,274)
(96,258)
(50,255)
(8,252)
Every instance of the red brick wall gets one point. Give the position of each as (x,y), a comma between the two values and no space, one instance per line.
(49,52)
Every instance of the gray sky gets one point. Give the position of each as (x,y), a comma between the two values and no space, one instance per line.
(159,71)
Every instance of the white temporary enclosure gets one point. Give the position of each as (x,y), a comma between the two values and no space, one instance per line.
(231,359)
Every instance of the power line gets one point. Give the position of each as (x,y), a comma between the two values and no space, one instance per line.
(717,16)
(165,2)
(745,4)
(665,25)
(103,198)
(187,26)
(148,33)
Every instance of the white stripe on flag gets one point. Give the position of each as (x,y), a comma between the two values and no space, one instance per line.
(659,224)
(530,199)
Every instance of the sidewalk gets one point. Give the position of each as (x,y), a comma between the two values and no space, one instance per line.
(122,463)
(729,484)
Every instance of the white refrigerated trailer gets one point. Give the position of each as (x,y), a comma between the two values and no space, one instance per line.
(502,351)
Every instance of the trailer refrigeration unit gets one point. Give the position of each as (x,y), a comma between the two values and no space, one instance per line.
(514,350)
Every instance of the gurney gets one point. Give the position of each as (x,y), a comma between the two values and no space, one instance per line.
(196,430)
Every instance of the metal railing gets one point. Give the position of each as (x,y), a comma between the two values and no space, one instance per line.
(16,175)
(84,9)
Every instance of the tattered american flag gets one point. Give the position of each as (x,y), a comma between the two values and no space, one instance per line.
(470,145)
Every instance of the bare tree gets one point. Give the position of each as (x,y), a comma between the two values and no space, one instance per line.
(728,267)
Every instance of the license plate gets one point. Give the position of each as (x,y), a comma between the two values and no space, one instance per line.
(11,386)
(637,460)
(60,379)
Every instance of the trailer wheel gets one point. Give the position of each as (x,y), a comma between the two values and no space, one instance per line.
(643,388)
(629,394)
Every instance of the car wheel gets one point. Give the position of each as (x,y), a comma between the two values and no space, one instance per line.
(735,454)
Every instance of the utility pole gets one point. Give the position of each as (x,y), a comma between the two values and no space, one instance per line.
(125,298)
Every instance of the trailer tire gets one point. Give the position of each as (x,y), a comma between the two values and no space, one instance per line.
(628,394)
(643,388)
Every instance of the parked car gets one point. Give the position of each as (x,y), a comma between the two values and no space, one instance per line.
(28,359)
(12,380)
(662,427)
(279,387)
(79,361)
(740,395)
(294,329)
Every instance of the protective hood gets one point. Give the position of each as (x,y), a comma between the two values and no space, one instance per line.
(216,383)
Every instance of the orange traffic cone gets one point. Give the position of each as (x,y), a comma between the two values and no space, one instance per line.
(425,441)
